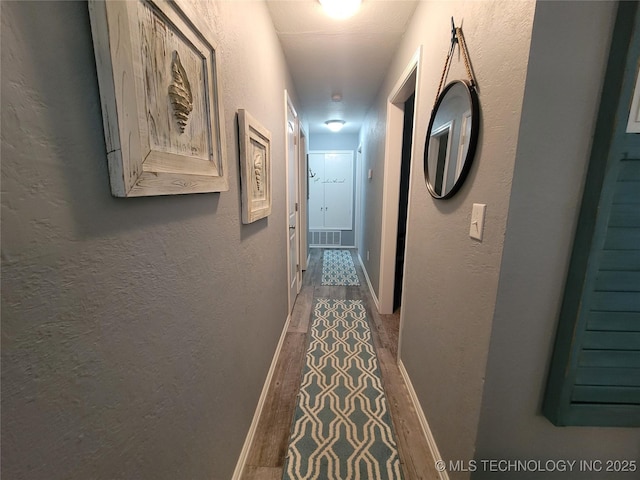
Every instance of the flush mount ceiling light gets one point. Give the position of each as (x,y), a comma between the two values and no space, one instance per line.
(334,125)
(340,8)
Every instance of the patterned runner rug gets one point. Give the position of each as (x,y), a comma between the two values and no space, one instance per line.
(342,429)
(338,268)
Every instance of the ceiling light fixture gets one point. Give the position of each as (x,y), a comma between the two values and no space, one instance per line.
(340,8)
(334,125)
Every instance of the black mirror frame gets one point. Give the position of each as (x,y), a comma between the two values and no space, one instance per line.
(473,140)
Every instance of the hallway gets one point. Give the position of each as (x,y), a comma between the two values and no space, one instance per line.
(142,338)
(267,454)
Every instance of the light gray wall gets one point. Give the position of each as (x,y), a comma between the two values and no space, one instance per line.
(372,135)
(136,333)
(450,280)
(456,288)
(340,141)
(558,119)
(333,141)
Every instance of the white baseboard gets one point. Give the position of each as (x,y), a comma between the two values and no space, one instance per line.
(237,473)
(423,420)
(366,276)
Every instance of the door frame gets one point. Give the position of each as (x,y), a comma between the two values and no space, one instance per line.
(288,104)
(357,227)
(406,84)
(303,199)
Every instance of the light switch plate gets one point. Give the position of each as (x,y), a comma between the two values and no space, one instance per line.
(370,174)
(477,220)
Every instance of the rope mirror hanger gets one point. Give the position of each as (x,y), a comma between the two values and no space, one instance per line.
(453,128)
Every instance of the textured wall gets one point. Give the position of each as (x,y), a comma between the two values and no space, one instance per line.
(465,302)
(451,280)
(372,136)
(545,201)
(136,333)
(333,141)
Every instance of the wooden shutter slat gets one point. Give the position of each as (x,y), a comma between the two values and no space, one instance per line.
(623,238)
(624,216)
(613,321)
(622,260)
(611,340)
(609,358)
(615,302)
(627,193)
(612,281)
(599,394)
(620,377)
(630,171)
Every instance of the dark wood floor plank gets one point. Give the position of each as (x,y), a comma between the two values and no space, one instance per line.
(335,292)
(302,311)
(274,426)
(314,274)
(391,326)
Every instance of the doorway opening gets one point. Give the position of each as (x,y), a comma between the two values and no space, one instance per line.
(399,150)
(403,204)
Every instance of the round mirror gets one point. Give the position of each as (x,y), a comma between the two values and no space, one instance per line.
(451,139)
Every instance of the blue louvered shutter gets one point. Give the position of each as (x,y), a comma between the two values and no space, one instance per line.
(603,378)
(595,371)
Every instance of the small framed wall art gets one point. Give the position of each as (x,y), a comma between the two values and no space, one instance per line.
(158,67)
(255,168)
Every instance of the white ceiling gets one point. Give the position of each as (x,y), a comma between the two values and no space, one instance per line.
(349,57)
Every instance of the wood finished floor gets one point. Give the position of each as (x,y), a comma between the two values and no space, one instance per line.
(265,460)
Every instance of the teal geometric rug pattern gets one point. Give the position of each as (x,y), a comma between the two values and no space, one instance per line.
(338,268)
(342,429)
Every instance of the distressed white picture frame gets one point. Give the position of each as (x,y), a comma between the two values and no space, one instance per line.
(255,168)
(158,73)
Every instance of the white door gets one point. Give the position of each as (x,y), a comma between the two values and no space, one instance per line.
(292,203)
(331,190)
(338,191)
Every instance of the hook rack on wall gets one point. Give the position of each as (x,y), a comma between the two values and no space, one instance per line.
(457,38)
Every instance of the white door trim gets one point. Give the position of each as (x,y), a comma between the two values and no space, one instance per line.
(358,186)
(288,104)
(303,193)
(404,87)
(426,430)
